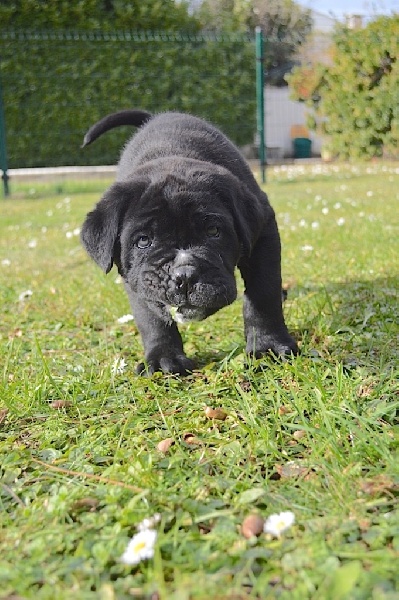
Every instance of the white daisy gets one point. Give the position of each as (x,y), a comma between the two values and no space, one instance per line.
(140,547)
(24,295)
(278,523)
(6,262)
(341,221)
(118,366)
(125,318)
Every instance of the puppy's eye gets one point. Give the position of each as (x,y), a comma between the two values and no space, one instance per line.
(212,231)
(144,241)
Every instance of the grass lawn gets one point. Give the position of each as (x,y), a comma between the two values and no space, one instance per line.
(317,436)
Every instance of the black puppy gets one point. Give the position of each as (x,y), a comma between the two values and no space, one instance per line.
(185,210)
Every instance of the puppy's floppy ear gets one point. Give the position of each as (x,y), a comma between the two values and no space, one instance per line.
(101,229)
(250,211)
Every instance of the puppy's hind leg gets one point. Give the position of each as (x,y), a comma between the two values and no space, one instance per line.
(163,346)
(265,328)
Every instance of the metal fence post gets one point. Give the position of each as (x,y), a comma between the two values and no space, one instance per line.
(260,101)
(3,147)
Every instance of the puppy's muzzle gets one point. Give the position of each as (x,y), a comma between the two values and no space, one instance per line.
(183,278)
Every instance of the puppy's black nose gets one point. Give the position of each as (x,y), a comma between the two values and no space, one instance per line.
(184,277)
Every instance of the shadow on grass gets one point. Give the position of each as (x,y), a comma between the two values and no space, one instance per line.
(355,321)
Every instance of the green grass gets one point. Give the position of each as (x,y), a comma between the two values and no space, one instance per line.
(317,436)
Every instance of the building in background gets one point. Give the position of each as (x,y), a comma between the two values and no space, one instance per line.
(284,117)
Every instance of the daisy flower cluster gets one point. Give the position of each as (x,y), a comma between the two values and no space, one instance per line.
(141,546)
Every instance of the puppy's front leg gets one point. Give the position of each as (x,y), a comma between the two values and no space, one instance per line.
(163,346)
(265,329)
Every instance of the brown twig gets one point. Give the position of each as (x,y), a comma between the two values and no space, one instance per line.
(13,495)
(100,478)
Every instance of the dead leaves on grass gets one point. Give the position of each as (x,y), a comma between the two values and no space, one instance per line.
(379,485)
(288,470)
(189,439)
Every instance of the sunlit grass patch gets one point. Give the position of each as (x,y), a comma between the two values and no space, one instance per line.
(81,461)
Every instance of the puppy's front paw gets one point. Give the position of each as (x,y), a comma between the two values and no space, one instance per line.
(282,345)
(166,362)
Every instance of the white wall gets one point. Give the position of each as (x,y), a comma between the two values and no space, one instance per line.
(280,114)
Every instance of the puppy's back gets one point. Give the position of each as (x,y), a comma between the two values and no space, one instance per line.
(180,135)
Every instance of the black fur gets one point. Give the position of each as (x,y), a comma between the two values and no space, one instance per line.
(185,210)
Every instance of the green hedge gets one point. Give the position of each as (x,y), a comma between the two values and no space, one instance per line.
(56,84)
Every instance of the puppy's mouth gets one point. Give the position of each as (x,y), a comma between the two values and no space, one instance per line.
(187,313)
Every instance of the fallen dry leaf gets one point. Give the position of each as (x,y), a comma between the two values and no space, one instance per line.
(61,404)
(85,504)
(245,386)
(191,439)
(365,390)
(291,469)
(14,334)
(165,445)
(381,484)
(215,413)
(252,526)
(3,414)
(204,528)
(364,524)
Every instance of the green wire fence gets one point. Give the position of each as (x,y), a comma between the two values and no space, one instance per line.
(55,84)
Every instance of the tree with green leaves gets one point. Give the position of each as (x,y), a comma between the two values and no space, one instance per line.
(285,25)
(356,99)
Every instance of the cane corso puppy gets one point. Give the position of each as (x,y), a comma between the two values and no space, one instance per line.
(184,211)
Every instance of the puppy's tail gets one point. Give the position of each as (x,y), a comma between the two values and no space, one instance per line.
(123,117)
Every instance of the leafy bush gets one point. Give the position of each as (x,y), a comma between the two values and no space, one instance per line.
(356,99)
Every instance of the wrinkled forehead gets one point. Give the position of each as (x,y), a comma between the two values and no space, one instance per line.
(174,205)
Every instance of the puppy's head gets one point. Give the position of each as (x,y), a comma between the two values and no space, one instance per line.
(176,239)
